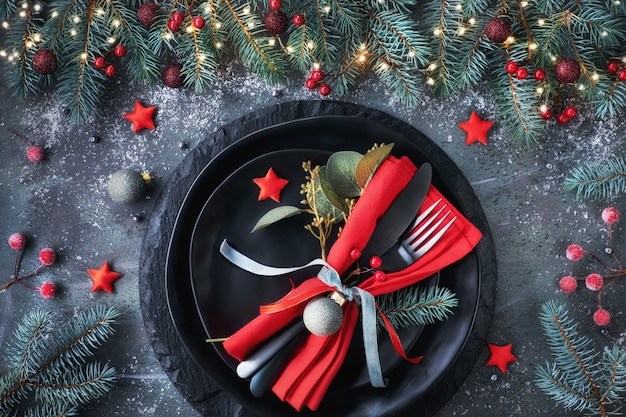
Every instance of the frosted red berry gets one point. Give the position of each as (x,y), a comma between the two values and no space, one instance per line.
(613,66)
(178,17)
(355,253)
(35,154)
(47,256)
(511,67)
(610,215)
(521,73)
(48,290)
(199,22)
(325,89)
(119,51)
(574,252)
(376,262)
(546,114)
(571,112)
(539,74)
(276,4)
(317,75)
(110,70)
(601,317)
(99,62)
(310,83)
(172,25)
(298,19)
(562,119)
(380,276)
(594,282)
(621,75)
(17,241)
(568,284)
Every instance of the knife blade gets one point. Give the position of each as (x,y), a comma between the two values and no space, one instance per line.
(400,214)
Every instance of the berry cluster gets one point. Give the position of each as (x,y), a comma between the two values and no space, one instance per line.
(276,21)
(594,281)
(375,262)
(110,70)
(316,78)
(178,18)
(562,118)
(47,257)
(615,67)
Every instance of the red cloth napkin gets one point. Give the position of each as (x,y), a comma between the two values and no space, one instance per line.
(314,364)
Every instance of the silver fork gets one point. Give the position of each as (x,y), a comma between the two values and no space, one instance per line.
(418,241)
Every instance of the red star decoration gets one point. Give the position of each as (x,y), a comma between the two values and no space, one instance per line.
(476,129)
(141,117)
(103,278)
(501,356)
(270,185)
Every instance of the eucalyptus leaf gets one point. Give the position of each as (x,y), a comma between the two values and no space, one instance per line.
(323,205)
(340,171)
(274,215)
(327,188)
(370,163)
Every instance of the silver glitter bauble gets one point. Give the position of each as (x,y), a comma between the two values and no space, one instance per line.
(322,316)
(127,186)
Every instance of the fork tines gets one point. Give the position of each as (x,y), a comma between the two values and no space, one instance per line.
(416,241)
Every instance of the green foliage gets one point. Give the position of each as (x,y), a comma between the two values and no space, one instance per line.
(604,179)
(580,378)
(416,306)
(52,365)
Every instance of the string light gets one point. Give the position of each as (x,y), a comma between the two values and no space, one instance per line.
(363,57)
(595,76)
(29,44)
(524,4)
(510,39)
(618,2)
(83,56)
(430,81)
(218,45)
(461,30)
(581,87)
(459,7)
(100,12)
(73,32)
(168,36)
(246,10)
(251,24)
(432,67)
(201,57)
(540,90)
(111,40)
(271,42)
(54,14)
(37,7)
(3,53)
(218,25)
(384,66)
(326,9)
(437,32)
(76,19)
(116,23)
(543,108)
(533,46)
(189,29)
(316,65)
(541,22)
(412,54)
(290,49)
(604,34)
(472,21)
(5,25)
(24,5)
(310,45)
(22,13)
(363,47)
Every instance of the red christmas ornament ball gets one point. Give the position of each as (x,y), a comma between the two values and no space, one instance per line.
(298,19)
(199,22)
(99,62)
(178,17)
(17,241)
(567,71)
(173,26)
(613,66)
(498,29)
(380,276)
(571,112)
(355,253)
(44,61)
(47,256)
(547,114)
(147,12)
(511,67)
(376,262)
(310,83)
(521,73)
(119,51)
(568,284)
(172,76)
(48,290)
(317,75)
(562,119)
(276,22)
(35,154)
(276,4)
(110,70)
(601,317)
(325,89)
(539,74)
(621,75)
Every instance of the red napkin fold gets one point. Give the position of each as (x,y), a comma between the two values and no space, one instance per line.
(315,362)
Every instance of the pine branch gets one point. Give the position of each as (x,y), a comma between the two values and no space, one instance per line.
(596,180)
(27,339)
(473,8)
(48,410)
(473,64)
(12,392)
(611,98)
(7,8)
(416,306)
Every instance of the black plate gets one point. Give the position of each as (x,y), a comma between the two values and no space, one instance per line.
(449,348)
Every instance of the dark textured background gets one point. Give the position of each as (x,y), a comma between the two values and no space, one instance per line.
(63,203)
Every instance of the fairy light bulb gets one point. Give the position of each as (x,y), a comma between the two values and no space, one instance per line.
(310,45)
(246,10)
(5,25)
(541,22)
(524,4)
(76,19)
(73,32)
(116,23)
(37,38)
(411,54)
(168,36)
(3,53)
(100,12)
(459,7)
(472,21)
(24,5)
(29,44)
(218,25)
(363,57)
(54,14)
(539,90)
(218,45)
(437,32)
(510,39)
(251,24)
(533,46)
(461,30)
(432,67)
(271,42)
(316,65)
(604,34)
(189,29)
(326,9)
(595,76)
(83,56)
(384,66)
(290,49)
(111,40)
(37,7)
(201,57)
(22,13)
(430,81)
(581,87)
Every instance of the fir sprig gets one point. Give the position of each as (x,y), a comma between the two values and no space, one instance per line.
(580,378)
(416,306)
(603,179)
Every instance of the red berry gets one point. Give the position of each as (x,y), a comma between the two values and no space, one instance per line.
(99,62)
(621,75)
(574,252)
(325,89)
(568,284)
(355,253)
(594,282)
(298,19)
(610,215)
(376,262)
(17,241)
(110,70)
(380,276)
(539,74)
(511,67)
(199,22)
(562,119)
(178,17)
(601,317)
(35,154)
(613,66)
(521,73)
(172,25)
(571,112)
(317,75)
(276,4)
(120,51)
(310,83)
(547,114)
(48,289)
(47,256)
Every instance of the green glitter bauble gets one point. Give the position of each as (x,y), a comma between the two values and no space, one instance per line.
(127,186)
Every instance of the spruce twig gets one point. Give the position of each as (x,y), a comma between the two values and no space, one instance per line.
(598,180)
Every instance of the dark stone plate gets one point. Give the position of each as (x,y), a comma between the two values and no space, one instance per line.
(450,348)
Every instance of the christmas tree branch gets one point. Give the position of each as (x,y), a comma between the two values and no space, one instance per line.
(603,179)
(529,34)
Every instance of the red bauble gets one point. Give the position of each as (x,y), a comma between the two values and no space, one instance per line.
(380,276)
(172,76)
(119,51)
(613,66)
(317,75)
(99,62)
(511,67)
(147,12)
(539,74)
(178,17)
(547,114)
(567,71)
(276,4)
(498,29)
(521,73)
(47,256)
(571,112)
(562,119)
(110,71)
(44,61)
(35,154)
(325,89)
(310,83)
(298,19)
(199,22)
(621,75)
(276,22)
(172,25)
(376,262)
(355,253)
